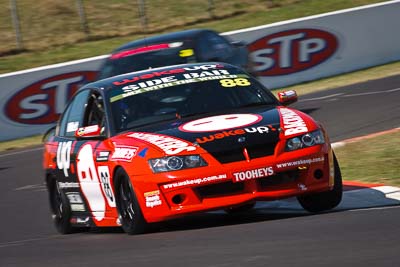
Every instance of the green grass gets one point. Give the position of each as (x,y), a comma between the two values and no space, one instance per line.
(21,143)
(52,32)
(374,159)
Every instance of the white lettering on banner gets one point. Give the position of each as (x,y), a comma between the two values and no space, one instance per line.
(124,153)
(90,183)
(309,47)
(169,145)
(33,103)
(62,87)
(292,122)
(104,173)
(64,156)
(285,47)
(253,174)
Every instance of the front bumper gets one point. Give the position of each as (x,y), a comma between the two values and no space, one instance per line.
(219,187)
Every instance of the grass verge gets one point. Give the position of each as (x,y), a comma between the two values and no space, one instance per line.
(21,143)
(375,159)
(113,24)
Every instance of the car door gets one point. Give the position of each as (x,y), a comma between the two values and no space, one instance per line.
(77,171)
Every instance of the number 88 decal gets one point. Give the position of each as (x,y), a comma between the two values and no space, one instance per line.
(235,82)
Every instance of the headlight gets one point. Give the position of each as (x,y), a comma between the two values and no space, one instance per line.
(306,140)
(176,163)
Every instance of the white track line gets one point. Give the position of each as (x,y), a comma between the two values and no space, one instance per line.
(21,152)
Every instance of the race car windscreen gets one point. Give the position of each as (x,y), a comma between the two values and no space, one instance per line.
(142,61)
(183,92)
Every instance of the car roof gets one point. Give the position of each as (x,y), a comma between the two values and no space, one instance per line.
(107,84)
(162,38)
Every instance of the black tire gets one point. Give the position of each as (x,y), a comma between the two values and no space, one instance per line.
(325,200)
(60,208)
(240,209)
(132,220)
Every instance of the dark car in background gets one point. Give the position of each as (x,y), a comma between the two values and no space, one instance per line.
(189,46)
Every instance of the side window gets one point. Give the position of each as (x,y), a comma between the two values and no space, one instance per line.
(95,111)
(73,115)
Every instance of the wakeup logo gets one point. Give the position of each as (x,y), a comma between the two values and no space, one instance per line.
(291,51)
(43,101)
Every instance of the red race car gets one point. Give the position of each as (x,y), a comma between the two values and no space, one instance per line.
(153,145)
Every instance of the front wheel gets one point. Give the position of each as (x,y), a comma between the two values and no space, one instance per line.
(132,220)
(60,208)
(319,202)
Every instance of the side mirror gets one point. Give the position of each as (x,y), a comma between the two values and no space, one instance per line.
(287,97)
(88,132)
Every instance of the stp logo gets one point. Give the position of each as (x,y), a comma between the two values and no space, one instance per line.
(43,101)
(291,51)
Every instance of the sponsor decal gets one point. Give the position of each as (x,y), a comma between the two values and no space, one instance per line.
(143,153)
(64,156)
(221,135)
(234,82)
(91,130)
(104,174)
(299,162)
(292,51)
(252,174)
(143,83)
(74,198)
(153,199)
(72,126)
(170,81)
(77,207)
(167,72)
(196,181)
(292,123)
(43,101)
(186,53)
(80,220)
(63,185)
(102,156)
(90,183)
(124,153)
(169,145)
(219,123)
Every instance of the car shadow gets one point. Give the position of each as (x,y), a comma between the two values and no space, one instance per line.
(356,196)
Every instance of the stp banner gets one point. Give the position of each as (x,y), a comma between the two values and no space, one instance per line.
(31,101)
(311,48)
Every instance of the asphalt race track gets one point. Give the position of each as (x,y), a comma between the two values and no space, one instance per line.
(363,231)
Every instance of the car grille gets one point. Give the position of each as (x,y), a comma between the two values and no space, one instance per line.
(230,188)
(278,179)
(220,189)
(233,155)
